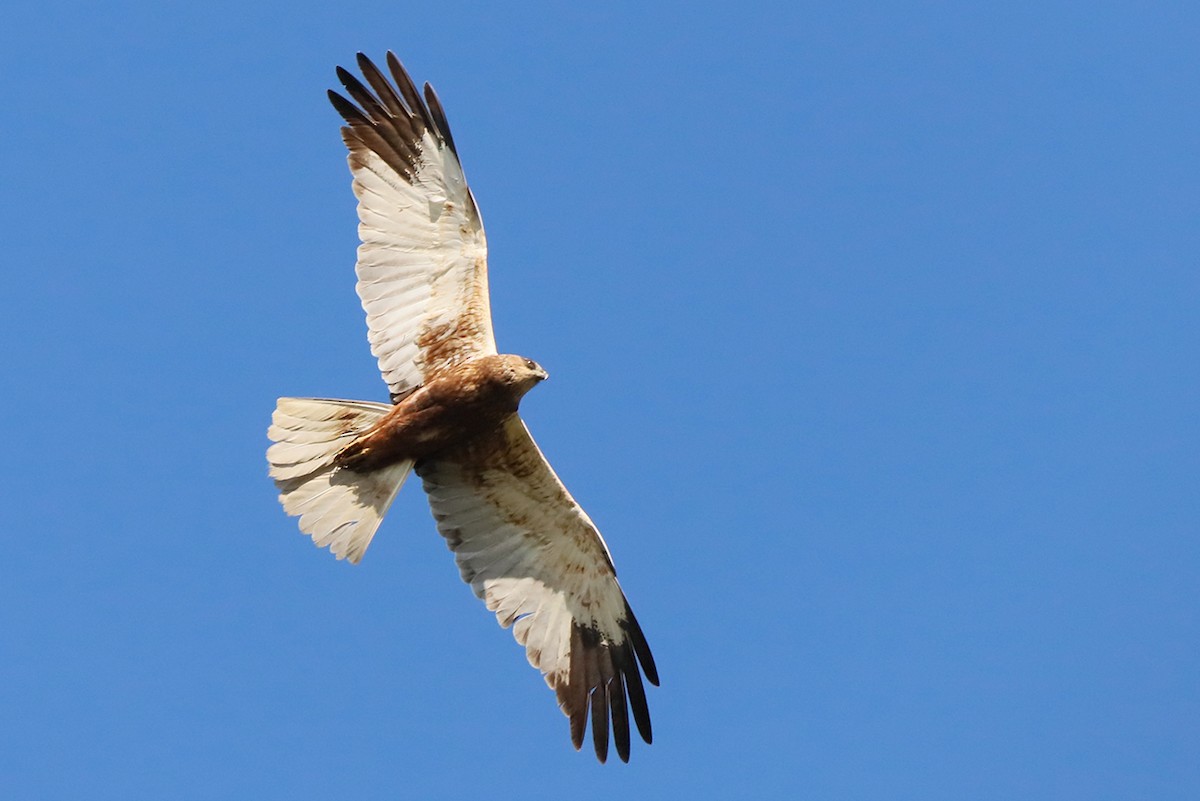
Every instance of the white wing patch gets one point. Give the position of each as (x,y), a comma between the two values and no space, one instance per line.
(421,263)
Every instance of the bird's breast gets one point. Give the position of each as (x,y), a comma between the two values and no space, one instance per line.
(445,413)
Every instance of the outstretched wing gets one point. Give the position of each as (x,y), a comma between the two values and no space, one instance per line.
(532,554)
(422,265)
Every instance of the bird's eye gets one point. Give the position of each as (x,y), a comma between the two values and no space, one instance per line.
(529,363)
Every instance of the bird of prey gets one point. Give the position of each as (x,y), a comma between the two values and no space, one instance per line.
(521,541)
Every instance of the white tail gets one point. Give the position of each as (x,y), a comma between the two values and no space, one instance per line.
(340,509)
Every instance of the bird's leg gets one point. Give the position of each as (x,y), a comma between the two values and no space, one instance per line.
(355,456)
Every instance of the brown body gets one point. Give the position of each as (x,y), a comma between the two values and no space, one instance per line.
(461,403)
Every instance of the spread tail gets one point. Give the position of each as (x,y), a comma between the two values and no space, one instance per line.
(339,508)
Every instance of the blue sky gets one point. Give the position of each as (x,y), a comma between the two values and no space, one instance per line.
(872,332)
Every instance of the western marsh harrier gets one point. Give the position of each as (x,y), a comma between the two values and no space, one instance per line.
(521,541)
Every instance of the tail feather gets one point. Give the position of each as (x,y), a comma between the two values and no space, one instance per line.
(341,509)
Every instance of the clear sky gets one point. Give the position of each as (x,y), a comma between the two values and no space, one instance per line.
(873,340)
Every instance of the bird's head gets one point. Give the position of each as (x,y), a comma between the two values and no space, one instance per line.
(522,374)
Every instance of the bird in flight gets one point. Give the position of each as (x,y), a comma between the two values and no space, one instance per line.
(521,541)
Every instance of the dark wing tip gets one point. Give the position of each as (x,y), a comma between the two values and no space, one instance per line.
(604,680)
(627,665)
(348,110)
(600,724)
(408,89)
(620,715)
(439,118)
(574,694)
(388,119)
(640,646)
